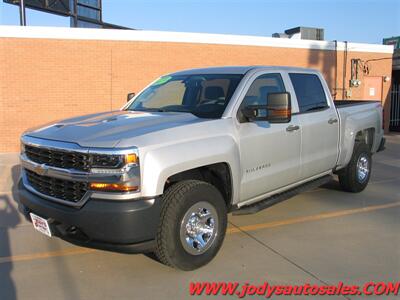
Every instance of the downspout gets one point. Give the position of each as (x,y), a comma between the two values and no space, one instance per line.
(336,72)
(344,71)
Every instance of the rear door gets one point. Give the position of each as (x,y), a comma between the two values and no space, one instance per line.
(319,124)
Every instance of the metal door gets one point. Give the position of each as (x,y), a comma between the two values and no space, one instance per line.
(373,88)
(394,124)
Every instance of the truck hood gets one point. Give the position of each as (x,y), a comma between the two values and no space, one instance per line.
(108,128)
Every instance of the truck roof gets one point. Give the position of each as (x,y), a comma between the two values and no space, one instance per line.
(237,70)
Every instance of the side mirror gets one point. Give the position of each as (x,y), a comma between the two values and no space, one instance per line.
(255,113)
(130,96)
(278,110)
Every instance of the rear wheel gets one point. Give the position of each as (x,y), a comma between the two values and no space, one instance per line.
(193,225)
(355,177)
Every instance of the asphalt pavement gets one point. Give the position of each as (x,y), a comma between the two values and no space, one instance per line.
(324,236)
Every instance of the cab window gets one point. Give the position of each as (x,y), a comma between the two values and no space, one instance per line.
(309,92)
(261,87)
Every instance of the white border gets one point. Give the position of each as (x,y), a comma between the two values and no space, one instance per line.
(180,37)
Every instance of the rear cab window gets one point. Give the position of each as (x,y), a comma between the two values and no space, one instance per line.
(309,92)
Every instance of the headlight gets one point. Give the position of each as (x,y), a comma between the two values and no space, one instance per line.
(121,164)
(113,163)
(107,161)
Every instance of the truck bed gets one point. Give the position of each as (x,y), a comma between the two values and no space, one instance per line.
(355,116)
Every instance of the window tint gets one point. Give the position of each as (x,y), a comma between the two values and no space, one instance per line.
(309,91)
(261,87)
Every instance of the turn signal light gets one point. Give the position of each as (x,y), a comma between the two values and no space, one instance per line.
(280,112)
(131,159)
(114,187)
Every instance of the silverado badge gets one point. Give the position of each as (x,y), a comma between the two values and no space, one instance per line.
(40,170)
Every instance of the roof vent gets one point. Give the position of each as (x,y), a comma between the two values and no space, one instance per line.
(302,33)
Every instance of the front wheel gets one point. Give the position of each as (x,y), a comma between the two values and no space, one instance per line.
(193,225)
(355,177)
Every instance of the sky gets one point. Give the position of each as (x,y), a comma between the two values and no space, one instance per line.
(366,21)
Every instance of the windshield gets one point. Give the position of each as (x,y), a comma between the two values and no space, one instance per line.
(205,96)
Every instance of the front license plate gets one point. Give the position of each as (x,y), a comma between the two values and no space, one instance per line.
(40,224)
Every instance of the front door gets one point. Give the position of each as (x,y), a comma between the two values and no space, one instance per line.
(270,153)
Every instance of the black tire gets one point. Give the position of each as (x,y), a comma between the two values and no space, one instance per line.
(177,201)
(348,177)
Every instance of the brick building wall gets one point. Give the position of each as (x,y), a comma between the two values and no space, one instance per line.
(57,74)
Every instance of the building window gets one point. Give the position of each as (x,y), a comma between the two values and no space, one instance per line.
(92,3)
(89,13)
(84,24)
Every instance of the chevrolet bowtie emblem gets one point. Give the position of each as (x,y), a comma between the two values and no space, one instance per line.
(40,170)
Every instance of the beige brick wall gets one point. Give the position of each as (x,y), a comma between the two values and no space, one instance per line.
(42,80)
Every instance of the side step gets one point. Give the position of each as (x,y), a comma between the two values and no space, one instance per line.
(263,204)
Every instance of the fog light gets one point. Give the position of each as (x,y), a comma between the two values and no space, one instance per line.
(113,187)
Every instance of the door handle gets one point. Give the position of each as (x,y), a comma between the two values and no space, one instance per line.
(292,128)
(332,120)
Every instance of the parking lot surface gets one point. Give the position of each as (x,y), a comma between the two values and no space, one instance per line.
(323,236)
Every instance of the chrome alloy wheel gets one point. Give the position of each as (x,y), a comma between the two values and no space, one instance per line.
(362,168)
(199,228)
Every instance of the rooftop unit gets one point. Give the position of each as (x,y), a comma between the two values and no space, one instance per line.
(303,33)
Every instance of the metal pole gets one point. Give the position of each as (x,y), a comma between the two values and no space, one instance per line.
(75,13)
(22,16)
(100,7)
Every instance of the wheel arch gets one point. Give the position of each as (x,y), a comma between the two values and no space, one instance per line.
(366,135)
(217,174)
(217,155)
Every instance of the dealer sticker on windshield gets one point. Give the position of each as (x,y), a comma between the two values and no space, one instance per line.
(40,224)
(162,80)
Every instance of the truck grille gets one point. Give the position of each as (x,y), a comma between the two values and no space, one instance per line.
(58,158)
(66,190)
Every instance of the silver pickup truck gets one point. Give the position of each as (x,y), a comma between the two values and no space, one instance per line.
(161,174)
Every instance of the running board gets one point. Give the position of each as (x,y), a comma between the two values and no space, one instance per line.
(268,202)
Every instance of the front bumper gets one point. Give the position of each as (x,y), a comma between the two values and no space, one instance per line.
(127,226)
